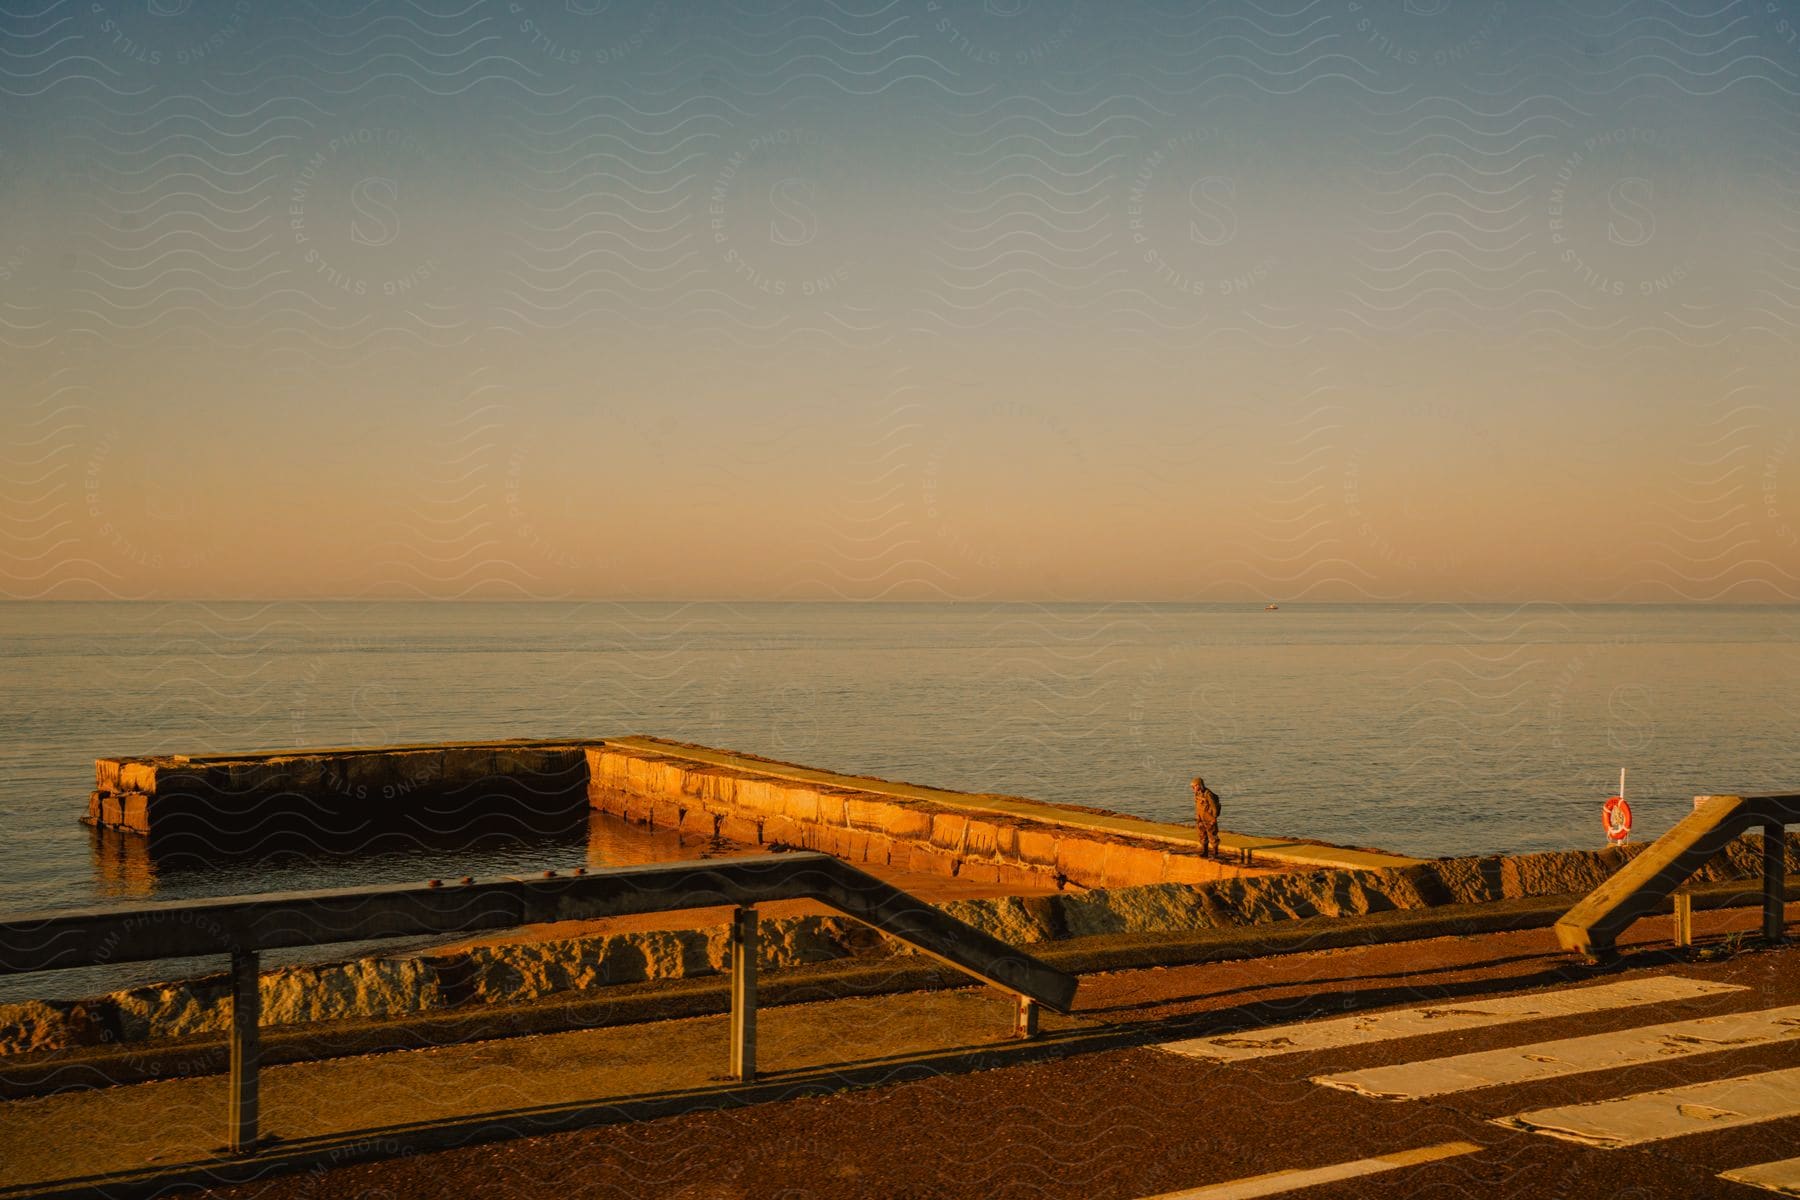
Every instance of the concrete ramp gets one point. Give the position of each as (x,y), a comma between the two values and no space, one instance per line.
(1643,885)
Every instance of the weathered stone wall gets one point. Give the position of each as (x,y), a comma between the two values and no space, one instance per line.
(337,796)
(869,827)
(327,794)
(517,972)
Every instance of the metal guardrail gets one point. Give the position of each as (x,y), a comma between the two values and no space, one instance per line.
(243,926)
(1592,927)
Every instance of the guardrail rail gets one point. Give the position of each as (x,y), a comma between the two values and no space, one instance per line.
(1592,927)
(243,926)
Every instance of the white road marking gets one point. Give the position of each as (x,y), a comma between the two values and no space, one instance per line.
(1571,1056)
(1449,1016)
(1277,1182)
(1782,1177)
(1669,1113)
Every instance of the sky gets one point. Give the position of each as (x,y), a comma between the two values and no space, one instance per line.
(900,300)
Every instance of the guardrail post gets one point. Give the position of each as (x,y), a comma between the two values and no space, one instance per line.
(246,1050)
(1025,1023)
(743,993)
(1774,879)
(1684,917)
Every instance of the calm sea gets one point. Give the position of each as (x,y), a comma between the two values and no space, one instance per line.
(1430,730)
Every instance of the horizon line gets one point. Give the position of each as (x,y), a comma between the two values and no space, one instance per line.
(851,602)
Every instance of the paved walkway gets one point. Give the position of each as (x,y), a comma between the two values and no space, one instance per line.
(1282,850)
(508,1087)
(1225,1079)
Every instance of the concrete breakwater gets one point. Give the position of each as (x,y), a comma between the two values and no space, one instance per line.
(518,972)
(334,796)
(924,831)
(1010,840)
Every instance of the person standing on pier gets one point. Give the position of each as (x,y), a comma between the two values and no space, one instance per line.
(1206,816)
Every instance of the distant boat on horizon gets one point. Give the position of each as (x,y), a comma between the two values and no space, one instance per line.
(1271,607)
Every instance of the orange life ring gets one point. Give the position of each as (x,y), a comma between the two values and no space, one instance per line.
(1616,815)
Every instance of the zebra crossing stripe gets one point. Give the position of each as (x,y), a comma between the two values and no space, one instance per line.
(1450,1016)
(1782,1177)
(1670,1112)
(1571,1056)
(1277,1182)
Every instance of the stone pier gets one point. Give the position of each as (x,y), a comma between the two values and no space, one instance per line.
(923,831)
(341,794)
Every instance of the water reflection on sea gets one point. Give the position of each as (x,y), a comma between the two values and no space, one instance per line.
(1428,729)
(129,867)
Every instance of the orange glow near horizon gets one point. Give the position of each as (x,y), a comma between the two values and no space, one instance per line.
(1011,315)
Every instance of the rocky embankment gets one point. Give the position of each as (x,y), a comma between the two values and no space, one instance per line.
(508,973)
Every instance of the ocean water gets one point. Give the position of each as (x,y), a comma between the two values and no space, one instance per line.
(1422,729)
